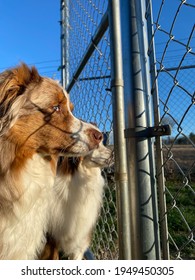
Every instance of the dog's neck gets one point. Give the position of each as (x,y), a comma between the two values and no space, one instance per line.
(26,174)
(39,169)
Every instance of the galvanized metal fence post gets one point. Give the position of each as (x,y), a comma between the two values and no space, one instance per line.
(64,42)
(144,213)
(159,153)
(118,124)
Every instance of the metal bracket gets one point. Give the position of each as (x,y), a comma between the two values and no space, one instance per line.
(148,132)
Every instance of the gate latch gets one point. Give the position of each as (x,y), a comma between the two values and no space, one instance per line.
(148,132)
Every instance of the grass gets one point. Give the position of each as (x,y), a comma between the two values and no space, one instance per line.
(181,219)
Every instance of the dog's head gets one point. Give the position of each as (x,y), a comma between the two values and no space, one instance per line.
(35,115)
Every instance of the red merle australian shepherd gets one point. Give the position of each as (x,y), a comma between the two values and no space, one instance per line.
(36,126)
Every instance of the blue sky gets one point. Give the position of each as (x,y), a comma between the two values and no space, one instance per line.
(30,32)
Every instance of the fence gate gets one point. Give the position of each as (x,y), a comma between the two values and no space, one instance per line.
(172,77)
(136,95)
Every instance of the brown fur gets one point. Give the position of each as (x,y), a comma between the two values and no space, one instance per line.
(50,251)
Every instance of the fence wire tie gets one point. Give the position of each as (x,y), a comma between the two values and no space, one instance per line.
(189,49)
(158,26)
(193,99)
(95,46)
(76,81)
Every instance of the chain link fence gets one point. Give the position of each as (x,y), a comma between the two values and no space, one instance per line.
(91,95)
(174,35)
(92,100)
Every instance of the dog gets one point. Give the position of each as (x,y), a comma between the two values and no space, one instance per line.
(76,201)
(36,127)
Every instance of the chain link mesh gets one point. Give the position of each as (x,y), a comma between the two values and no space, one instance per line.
(91,97)
(174,32)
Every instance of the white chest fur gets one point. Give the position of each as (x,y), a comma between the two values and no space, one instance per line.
(76,203)
(22,236)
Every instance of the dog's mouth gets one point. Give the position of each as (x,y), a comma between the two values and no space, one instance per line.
(77,148)
(69,152)
(102,161)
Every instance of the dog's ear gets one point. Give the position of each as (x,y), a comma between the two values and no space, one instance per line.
(13,83)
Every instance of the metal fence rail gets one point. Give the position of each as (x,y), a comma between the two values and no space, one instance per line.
(158,66)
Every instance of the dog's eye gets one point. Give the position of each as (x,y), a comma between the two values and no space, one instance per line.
(56,108)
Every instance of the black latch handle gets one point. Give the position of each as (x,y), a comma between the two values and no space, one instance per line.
(148,132)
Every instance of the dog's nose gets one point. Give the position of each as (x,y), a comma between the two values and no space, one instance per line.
(97,136)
